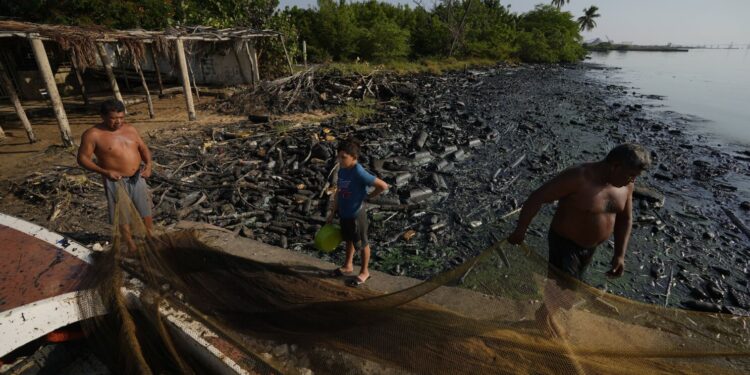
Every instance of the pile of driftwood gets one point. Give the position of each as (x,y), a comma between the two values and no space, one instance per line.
(314,88)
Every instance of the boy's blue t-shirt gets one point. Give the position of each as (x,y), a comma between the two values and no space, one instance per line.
(352,190)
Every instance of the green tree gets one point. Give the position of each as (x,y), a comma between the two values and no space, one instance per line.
(548,35)
(335,30)
(587,22)
(123,14)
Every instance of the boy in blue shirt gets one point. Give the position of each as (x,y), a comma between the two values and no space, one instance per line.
(351,192)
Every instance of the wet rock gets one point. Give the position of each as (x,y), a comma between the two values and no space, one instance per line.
(698,293)
(420,139)
(709,235)
(418,195)
(649,195)
(721,270)
(402,179)
(459,155)
(714,290)
(438,182)
(745,205)
(739,299)
(702,306)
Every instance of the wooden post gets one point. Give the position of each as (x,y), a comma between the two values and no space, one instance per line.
(253,57)
(11,90)
(110,74)
(49,80)
(195,82)
(138,69)
(304,52)
(288,60)
(246,69)
(79,77)
(185,79)
(158,70)
(122,67)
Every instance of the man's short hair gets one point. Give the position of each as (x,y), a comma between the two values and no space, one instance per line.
(630,155)
(111,105)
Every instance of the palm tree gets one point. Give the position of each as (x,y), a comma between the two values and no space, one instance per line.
(559,3)
(586,22)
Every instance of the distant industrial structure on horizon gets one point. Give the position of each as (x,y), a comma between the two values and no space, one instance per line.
(608,44)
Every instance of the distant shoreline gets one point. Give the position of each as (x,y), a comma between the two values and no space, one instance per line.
(604,47)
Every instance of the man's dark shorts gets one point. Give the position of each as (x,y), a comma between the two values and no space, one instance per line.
(137,190)
(355,229)
(567,256)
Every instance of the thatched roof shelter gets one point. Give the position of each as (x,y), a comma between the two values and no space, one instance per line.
(86,48)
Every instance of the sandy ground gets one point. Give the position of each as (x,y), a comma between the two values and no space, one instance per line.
(19,158)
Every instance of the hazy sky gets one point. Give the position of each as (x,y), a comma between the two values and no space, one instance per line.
(646,21)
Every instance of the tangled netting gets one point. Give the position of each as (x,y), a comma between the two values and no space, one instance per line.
(528,319)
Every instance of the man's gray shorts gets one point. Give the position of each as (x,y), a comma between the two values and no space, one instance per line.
(136,188)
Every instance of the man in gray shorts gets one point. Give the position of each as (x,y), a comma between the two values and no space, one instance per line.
(595,202)
(121,158)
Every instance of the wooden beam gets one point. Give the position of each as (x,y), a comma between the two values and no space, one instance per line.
(37,46)
(110,74)
(138,69)
(79,77)
(185,79)
(158,70)
(304,52)
(11,90)
(121,64)
(253,57)
(245,66)
(195,82)
(288,60)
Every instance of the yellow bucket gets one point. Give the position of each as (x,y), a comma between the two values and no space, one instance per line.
(328,238)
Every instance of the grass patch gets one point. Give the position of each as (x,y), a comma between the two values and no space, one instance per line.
(355,110)
(432,66)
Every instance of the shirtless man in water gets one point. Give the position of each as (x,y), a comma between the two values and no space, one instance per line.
(121,155)
(595,200)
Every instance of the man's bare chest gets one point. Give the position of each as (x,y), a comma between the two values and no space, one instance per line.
(116,143)
(607,200)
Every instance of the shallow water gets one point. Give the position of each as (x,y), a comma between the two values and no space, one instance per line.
(711,84)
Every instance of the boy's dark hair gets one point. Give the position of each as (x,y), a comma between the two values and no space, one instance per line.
(111,105)
(630,155)
(351,146)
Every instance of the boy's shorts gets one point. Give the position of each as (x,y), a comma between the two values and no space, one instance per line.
(355,229)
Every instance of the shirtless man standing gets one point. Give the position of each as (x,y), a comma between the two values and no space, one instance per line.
(121,155)
(595,200)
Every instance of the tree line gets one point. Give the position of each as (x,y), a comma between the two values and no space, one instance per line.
(337,30)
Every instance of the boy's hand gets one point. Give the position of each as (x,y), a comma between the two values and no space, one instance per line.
(517,237)
(329,219)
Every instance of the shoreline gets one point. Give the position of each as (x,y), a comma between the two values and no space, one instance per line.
(532,121)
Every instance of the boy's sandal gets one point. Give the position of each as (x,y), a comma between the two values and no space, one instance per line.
(337,273)
(355,282)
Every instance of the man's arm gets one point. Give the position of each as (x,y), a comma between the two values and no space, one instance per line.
(559,187)
(145,155)
(86,150)
(623,225)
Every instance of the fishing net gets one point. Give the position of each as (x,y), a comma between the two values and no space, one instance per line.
(511,314)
